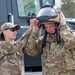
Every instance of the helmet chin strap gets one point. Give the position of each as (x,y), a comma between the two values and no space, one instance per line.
(56,33)
(45,36)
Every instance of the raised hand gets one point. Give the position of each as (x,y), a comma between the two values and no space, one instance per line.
(34,25)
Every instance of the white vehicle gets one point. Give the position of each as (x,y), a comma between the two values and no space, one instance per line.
(71,23)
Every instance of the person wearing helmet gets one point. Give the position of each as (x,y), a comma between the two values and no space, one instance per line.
(56,46)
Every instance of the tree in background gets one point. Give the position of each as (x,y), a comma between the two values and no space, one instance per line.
(68,8)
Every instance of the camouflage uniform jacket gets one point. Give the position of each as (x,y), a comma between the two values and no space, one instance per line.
(12,57)
(57,59)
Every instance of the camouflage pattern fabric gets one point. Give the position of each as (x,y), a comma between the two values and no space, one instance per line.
(12,57)
(57,59)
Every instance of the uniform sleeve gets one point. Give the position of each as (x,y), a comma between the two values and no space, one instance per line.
(9,48)
(24,39)
(33,48)
(67,36)
(6,48)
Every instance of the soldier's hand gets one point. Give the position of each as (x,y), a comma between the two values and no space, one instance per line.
(34,25)
(39,39)
(62,19)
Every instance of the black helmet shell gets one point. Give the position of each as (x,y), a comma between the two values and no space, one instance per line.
(48,14)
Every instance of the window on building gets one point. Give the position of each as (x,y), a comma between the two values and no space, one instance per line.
(28,7)
(47,2)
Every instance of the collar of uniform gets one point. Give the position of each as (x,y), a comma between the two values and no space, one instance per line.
(51,38)
(12,42)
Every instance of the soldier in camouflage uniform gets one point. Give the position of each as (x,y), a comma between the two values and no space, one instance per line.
(58,56)
(11,52)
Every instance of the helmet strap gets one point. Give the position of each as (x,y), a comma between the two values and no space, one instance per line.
(57,33)
(44,42)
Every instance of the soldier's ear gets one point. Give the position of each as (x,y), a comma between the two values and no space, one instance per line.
(4,32)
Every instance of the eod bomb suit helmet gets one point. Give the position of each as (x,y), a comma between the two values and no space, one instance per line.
(48,14)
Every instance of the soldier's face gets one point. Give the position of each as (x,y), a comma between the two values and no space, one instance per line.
(50,27)
(10,35)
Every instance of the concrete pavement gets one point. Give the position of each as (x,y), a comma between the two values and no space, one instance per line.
(33,73)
